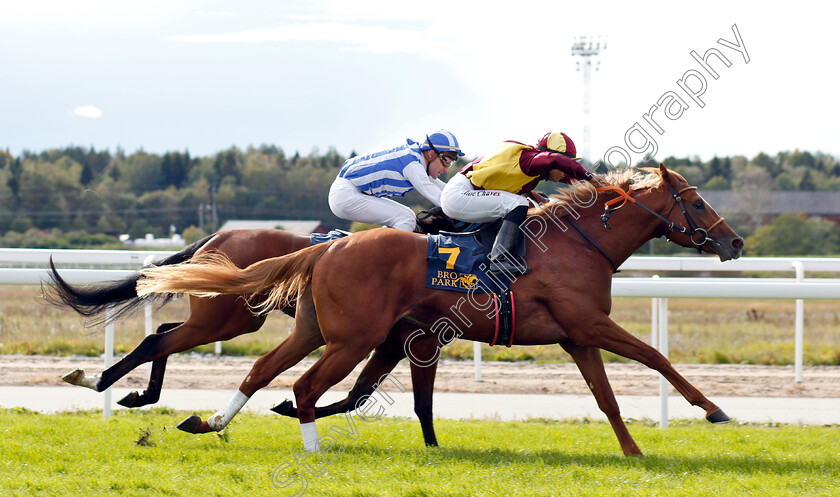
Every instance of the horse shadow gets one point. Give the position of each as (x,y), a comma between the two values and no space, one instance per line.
(674,465)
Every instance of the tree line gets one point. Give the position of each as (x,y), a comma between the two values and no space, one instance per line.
(77,196)
(76,189)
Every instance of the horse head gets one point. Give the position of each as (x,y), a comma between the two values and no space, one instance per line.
(693,222)
(646,203)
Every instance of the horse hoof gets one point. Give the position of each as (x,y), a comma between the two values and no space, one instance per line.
(190,425)
(284,408)
(129,400)
(78,377)
(74,377)
(718,417)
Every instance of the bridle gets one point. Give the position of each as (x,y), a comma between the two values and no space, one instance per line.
(666,229)
(670,226)
(692,230)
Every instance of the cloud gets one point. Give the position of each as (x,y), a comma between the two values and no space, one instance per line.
(355,36)
(88,111)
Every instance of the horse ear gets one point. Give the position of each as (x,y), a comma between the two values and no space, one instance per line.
(663,171)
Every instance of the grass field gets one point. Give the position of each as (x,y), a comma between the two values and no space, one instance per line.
(140,453)
(701,331)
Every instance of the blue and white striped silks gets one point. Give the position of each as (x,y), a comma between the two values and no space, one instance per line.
(381,174)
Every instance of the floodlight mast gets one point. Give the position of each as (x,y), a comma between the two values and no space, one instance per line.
(588,48)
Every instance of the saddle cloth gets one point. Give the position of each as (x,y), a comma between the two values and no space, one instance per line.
(458,261)
(316,238)
(454,264)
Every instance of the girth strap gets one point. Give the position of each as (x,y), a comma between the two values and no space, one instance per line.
(505,318)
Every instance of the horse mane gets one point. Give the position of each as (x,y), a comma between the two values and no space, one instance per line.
(582,193)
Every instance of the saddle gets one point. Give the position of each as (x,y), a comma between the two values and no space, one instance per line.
(458,262)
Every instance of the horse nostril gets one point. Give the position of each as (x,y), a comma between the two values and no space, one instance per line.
(738,243)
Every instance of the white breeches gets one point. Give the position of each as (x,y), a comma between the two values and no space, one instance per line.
(348,202)
(461,201)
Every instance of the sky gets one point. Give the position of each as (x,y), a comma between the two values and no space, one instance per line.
(364,75)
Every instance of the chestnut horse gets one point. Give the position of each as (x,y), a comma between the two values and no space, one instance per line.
(361,286)
(229,316)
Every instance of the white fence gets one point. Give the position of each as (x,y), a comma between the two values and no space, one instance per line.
(28,266)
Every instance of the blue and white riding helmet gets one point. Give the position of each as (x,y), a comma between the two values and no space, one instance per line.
(442,141)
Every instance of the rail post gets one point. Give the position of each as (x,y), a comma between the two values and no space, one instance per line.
(109,358)
(799,326)
(477,360)
(663,349)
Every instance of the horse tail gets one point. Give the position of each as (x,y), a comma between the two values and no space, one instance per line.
(212,274)
(120,295)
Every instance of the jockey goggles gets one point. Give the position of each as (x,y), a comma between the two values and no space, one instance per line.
(446,160)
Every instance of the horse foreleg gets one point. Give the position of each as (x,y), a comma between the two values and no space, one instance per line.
(152,392)
(609,336)
(591,366)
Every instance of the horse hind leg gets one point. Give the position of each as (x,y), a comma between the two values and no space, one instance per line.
(197,330)
(591,366)
(265,369)
(150,348)
(78,377)
(305,338)
(152,392)
(338,361)
(376,367)
(384,359)
(365,386)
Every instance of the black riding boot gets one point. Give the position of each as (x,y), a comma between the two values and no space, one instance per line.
(502,258)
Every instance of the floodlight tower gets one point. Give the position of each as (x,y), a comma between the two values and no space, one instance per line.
(588,48)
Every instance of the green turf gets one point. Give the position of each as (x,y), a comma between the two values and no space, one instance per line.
(140,453)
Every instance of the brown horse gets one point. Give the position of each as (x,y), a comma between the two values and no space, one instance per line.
(360,286)
(229,316)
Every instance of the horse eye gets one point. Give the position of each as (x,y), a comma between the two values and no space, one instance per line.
(699,205)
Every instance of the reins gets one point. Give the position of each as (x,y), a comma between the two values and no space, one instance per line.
(624,197)
(568,219)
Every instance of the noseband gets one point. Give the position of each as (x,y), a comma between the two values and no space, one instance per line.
(692,231)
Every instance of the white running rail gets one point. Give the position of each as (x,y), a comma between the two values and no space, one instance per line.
(80,267)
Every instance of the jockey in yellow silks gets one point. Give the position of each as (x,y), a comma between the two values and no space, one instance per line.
(494,187)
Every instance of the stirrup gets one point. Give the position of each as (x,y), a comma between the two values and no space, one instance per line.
(502,265)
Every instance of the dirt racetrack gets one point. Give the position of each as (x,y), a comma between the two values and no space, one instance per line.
(209,372)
